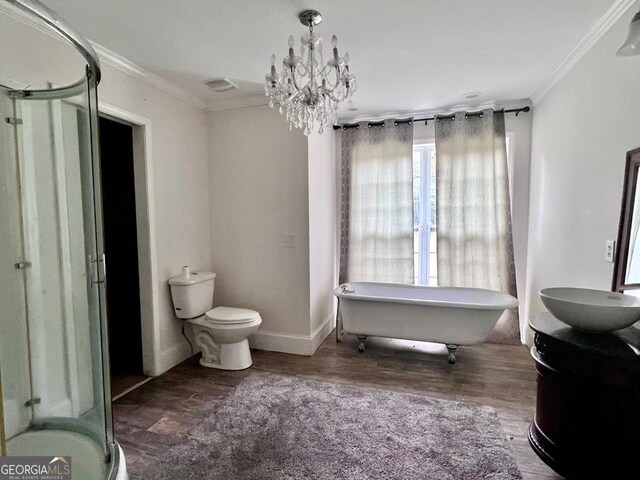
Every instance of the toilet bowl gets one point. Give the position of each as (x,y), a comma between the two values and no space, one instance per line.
(221,333)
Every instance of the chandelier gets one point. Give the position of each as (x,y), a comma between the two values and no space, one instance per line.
(308,91)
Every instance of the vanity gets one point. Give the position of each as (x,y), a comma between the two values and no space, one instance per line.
(587,420)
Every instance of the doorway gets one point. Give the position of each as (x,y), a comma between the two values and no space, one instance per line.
(121,252)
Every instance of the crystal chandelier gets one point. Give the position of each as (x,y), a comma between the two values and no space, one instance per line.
(308,91)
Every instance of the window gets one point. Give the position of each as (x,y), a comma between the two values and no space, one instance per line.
(424,209)
(424,214)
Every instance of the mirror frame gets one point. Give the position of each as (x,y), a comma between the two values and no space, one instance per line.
(631,170)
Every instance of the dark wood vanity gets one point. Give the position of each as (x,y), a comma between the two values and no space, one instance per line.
(587,420)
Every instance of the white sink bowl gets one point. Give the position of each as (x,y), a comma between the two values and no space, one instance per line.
(591,310)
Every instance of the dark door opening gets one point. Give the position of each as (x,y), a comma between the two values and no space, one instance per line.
(121,251)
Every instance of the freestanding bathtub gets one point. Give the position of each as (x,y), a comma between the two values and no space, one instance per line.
(450,315)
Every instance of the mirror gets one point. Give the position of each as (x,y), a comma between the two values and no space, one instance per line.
(626,271)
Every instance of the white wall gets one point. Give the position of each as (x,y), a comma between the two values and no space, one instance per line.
(270,185)
(581,131)
(259,195)
(322,229)
(179,160)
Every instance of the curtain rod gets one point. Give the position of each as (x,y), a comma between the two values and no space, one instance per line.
(346,126)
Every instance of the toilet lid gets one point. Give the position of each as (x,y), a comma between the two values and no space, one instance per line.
(231,315)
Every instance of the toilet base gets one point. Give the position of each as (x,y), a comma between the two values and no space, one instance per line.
(224,346)
(230,356)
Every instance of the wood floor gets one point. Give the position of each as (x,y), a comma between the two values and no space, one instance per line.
(121,383)
(159,413)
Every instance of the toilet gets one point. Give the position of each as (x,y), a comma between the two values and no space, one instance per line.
(221,333)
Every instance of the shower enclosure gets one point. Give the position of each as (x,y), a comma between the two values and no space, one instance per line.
(54,378)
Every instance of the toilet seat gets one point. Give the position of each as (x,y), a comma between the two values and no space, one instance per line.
(231,315)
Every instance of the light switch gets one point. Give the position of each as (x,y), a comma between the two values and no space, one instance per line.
(610,251)
(289,239)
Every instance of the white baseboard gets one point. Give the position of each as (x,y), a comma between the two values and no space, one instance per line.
(288,343)
(261,340)
(322,332)
(171,357)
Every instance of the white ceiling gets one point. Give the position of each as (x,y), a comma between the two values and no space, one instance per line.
(408,55)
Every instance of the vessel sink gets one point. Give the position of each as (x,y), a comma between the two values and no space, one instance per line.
(591,310)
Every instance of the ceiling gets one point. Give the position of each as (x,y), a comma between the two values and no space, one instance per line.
(408,55)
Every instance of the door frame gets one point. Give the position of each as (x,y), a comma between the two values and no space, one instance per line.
(146,231)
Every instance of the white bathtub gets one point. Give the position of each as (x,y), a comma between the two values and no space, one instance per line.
(450,315)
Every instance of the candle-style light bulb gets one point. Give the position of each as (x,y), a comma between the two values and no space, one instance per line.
(334,41)
(291,44)
(346,57)
(273,64)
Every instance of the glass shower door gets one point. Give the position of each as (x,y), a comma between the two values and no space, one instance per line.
(14,355)
(55,341)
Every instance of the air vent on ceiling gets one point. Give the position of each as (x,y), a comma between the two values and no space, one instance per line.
(221,85)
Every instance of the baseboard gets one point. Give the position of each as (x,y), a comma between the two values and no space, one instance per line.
(322,332)
(171,357)
(289,343)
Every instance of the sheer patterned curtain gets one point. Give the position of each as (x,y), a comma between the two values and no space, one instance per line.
(376,241)
(475,246)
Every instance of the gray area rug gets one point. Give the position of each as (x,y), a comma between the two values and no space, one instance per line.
(278,427)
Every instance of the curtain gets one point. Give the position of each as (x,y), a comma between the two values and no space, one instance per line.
(376,239)
(475,245)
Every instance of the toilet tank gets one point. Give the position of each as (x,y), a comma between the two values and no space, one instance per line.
(193,295)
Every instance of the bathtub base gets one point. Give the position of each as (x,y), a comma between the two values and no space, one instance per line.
(361,340)
(452,353)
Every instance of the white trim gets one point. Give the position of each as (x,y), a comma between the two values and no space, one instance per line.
(296,344)
(10,83)
(172,357)
(237,102)
(121,63)
(152,363)
(602,26)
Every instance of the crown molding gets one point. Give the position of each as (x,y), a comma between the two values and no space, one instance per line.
(108,57)
(602,26)
(125,65)
(237,102)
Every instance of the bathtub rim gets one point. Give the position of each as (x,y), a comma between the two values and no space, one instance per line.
(509,301)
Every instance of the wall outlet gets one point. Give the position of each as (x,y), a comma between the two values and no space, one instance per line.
(610,252)
(289,239)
